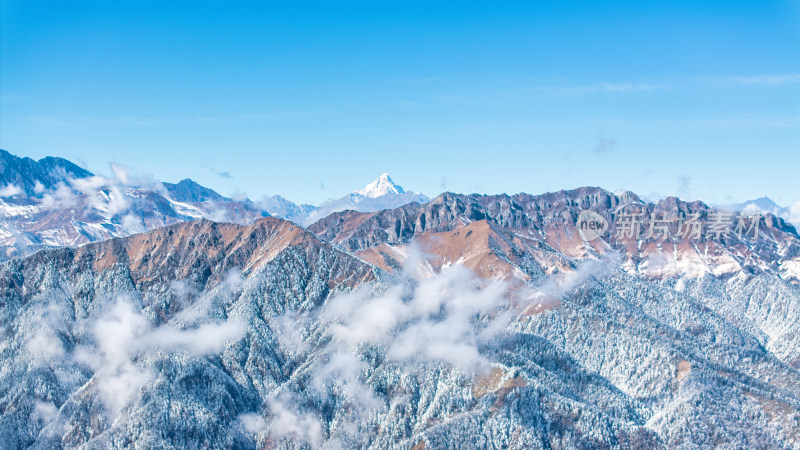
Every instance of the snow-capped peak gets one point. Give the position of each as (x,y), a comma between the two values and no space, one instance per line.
(381,186)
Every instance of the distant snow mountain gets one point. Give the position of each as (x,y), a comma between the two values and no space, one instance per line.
(765,205)
(380,194)
(762,204)
(32,177)
(53,202)
(383,185)
(280,207)
(191,192)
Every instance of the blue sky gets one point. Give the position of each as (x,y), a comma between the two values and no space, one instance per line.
(311,100)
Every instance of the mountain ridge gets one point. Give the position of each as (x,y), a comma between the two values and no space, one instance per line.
(539,224)
(53,202)
(382,193)
(224,333)
(25,173)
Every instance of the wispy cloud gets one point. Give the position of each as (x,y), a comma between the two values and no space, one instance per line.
(794,214)
(420,80)
(745,121)
(754,80)
(619,88)
(124,121)
(514,94)
(629,87)
(10,190)
(123,335)
(684,186)
(604,145)
(73,121)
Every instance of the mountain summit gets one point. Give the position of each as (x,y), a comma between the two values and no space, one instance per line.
(382,193)
(382,185)
(766,205)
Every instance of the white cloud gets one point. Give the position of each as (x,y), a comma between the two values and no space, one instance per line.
(428,318)
(115,199)
(629,87)
(103,194)
(125,177)
(208,338)
(61,197)
(132,224)
(120,173)
(194,307)
(287,422)
(43,344)
(239,196)
(10,190)
(253,423)
(767,80)
(44,412)
(794,215)
(433,322)
(117,335)
(123,335)
(89,185)
(561,285)
(443,319)
(233,280)
(620,88)
(215,212)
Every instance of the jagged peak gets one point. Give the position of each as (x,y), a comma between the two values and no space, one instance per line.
(382,185)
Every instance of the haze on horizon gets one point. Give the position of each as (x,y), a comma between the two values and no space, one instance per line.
(311,100)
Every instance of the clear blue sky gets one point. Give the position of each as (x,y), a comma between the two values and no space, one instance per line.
(311,100)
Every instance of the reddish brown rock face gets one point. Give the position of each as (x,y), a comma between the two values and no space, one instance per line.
(524,235)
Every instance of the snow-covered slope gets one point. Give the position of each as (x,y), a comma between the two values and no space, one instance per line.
(206,335)
(383,185)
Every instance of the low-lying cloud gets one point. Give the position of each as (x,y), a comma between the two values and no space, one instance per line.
(445,319)
(10,190)
(124,338)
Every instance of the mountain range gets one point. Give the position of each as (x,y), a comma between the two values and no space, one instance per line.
(382,193)
(572,319)
(768,206)
(53,202)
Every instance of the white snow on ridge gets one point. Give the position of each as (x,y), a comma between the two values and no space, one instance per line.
(7,210)
(791,269)
(381,194)
(185,209)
